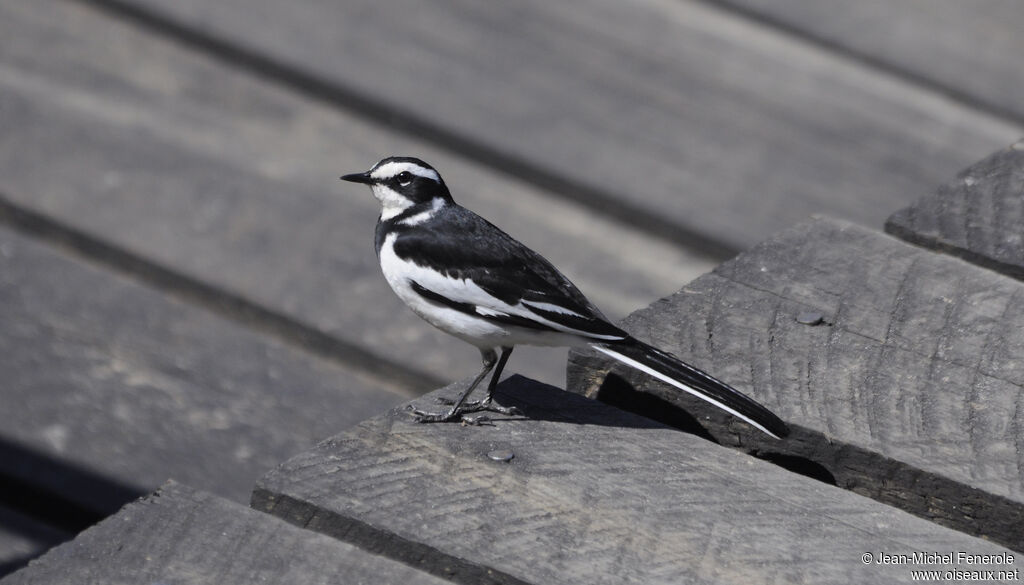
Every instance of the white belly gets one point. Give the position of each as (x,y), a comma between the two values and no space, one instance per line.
(470,328)
(399,273)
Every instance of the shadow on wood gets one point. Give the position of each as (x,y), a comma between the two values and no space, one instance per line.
(580,492)
(907,389)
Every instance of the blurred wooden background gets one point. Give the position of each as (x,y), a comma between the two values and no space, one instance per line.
(176,247)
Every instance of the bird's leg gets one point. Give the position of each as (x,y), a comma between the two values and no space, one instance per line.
(460,407)
(486,404)
(455,412)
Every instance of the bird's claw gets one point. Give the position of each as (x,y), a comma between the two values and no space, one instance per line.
(491,407)
(476,421)
(460,414)
(421,416)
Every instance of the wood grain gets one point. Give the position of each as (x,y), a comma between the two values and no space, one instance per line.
(970,50)
(23,538)
(111,388)
(909,391)
(978,216)
(233,181)
(592,495)
(186,536)
(676,115)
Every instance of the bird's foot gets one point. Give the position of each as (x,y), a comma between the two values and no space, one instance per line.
(491,407)
(480,405)
(460,414)
(450,401)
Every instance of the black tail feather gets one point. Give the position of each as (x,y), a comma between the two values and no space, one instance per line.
(674,371)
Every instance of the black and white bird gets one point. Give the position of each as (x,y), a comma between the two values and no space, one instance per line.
(468,278)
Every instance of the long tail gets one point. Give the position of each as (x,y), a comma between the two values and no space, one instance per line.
(687,378)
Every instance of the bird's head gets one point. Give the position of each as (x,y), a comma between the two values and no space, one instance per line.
(400,182)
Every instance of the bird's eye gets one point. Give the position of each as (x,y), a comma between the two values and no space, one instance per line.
(404,178)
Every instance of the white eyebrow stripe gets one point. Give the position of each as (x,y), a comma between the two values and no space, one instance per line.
(391,169)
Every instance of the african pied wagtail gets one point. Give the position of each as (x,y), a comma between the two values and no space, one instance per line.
(472,280)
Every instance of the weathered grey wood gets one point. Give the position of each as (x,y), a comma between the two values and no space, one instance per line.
(592,495)
(969,49)
(677,114)
(110,388)
(909,390)
(181,535)
(979,216)
(23,538)
(231,180)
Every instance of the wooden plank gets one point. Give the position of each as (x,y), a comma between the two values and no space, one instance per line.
(978,216)
(677,115)
(232,181)
(591,495)
(23,538)
(896,367)
(110,388)
(181,535)
(968,49)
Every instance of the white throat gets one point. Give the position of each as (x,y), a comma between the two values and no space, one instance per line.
(391,203)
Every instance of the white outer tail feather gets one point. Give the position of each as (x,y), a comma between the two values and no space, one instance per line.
(668,380)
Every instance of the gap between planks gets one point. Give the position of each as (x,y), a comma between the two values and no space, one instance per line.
(331,93)
(837,49)
(394,375)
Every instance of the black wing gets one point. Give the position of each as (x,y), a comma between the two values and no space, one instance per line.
(468,247)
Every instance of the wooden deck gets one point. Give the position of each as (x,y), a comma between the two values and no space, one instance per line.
(187,291)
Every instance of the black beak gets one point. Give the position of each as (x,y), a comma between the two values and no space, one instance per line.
(363,178)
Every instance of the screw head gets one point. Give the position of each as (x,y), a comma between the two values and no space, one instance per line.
(502,455)
(810,318)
